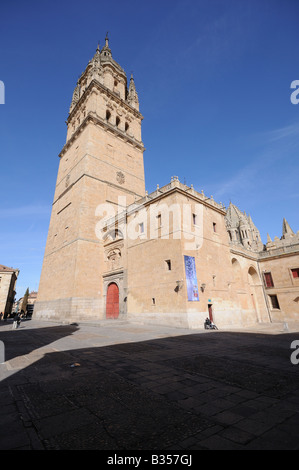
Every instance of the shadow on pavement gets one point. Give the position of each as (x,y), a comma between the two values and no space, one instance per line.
(18,342)
(200,391)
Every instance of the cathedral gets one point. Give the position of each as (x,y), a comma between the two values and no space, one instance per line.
(172,257)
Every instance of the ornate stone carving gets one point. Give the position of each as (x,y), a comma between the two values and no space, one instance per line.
(76,97)
(114,258)
(120,177)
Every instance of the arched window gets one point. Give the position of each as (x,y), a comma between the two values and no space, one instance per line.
(117,121)
(126,126)
(108,115)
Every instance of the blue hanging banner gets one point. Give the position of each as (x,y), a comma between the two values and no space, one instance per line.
(191,278)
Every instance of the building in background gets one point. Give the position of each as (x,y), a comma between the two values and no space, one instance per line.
(279,265)
(8,279)
(277,273)
(30,303)
(18,305)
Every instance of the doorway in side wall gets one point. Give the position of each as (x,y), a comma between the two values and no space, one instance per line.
(210,310)
(112,302)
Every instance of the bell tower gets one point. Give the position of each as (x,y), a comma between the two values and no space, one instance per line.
(101,161)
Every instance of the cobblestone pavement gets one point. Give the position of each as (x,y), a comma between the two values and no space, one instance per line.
(119,386)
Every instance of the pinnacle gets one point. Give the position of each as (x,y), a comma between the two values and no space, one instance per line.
(286,229)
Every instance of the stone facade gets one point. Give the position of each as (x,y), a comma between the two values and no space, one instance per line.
(8,279)
(229,283)
(279,264)
(106,230)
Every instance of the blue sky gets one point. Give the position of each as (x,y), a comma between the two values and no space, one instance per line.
(213,78)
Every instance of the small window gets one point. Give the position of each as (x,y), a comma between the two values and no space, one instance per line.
(268,280)
(168,264)
(153,301)
(141,227)
(295,273)
(108,115)
(274,302)
(117,121)
(194,219)
(214,227)
(126,126)
(159,220)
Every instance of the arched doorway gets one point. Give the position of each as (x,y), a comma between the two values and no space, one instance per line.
(112,301)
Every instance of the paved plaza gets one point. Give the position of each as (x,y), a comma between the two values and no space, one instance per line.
(121,386)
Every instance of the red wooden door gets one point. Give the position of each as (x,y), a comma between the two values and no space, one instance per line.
(112,303)
(210,312)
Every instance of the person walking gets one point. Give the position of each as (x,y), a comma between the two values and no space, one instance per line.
(16,321)
(19,316)
(14,324)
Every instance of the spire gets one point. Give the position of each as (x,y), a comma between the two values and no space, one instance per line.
(106,51)
(269,240)
(234,215)
(132,87)
(286,229)
(250,220)
(132,94)
(76,96)
(97,56)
